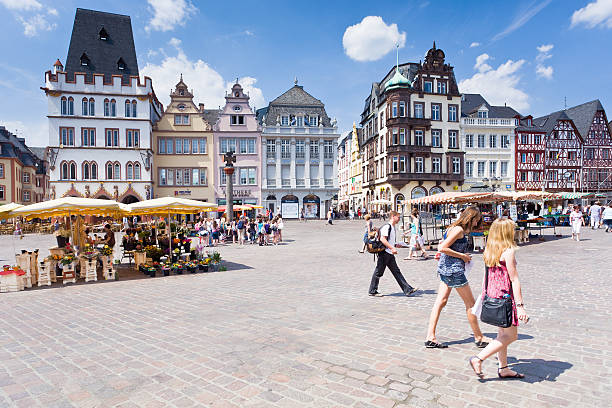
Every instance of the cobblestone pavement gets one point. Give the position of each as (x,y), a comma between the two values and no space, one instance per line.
(292,326)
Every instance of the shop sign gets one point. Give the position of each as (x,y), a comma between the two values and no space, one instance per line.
(239,193)
(182,192)
(513,212)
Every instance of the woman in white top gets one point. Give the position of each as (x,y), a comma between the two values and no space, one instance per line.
(576,221)
(280,226)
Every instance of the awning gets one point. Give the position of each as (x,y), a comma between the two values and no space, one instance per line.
(448,197)
(574,196)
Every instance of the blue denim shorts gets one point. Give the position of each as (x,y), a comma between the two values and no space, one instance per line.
(454,281)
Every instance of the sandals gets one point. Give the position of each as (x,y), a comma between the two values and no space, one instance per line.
(515,376)
(481,344)
(478,374)
(433,344)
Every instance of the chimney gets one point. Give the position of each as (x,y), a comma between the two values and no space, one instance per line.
(201,105)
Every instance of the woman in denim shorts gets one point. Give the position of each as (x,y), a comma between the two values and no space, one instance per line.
(451,270)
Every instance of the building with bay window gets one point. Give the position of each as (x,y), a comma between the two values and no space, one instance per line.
(487,136)
(100,113)
(299,156)
(183,148)
(411,125)
(236,129)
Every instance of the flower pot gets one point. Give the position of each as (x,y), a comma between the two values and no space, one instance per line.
(178,271)
(166,272)
(203,268)
(61,241)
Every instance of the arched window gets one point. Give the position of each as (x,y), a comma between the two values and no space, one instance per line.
(64,106)
(64,171)
(106,107)
(117,173)
(399,202)
(130,171)
(109,171)
(70,106)
(128,108)
(84,107)
(72,171)
(86,171)
(136,171)
(113,107)
(94,171)
(418,192)
(92,107)
(134,111)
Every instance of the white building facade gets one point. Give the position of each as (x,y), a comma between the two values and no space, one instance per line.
(299,155)
(487,136)
(100,114)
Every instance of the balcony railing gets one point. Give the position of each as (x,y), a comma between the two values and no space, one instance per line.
(286,182)
(271,183)
(314,183)
(407,177)
(329,182)
(271,155)
(300,183)
(488,121)
(285,155)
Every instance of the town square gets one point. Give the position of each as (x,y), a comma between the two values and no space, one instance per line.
(401,204)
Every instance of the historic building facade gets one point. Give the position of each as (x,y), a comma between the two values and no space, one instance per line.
(567,150)
(411,145)
(300,144)
(100,113)
(237,130)
(344,170)
(487,137)
(183,148)
(23,171)
(355,180)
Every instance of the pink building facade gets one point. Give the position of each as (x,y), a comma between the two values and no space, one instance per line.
(237,130)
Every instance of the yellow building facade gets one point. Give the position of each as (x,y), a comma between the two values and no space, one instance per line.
(183,149)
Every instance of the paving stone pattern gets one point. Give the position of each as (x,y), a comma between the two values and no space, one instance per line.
(292,326)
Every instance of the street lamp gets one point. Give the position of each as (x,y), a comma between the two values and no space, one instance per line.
(229,159)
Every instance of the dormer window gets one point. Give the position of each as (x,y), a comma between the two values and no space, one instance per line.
(121,64)
(103,35)
(84,60)
(483,114)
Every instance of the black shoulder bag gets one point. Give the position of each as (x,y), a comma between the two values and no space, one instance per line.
(496,312)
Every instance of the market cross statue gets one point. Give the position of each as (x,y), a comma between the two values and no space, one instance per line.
(229,159)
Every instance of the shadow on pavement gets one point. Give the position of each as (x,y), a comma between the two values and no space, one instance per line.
(489,335)
(536,369)
(418,293)
(234,266)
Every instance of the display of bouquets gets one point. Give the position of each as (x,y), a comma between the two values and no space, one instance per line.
(54,257)
(106,250)
(177,267)
(165,268)
(191,267)
(89,252)
(203,264)
(154,252)
(148,269)
(67,259)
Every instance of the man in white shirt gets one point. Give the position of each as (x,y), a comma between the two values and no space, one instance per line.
(386,258)
(595,214)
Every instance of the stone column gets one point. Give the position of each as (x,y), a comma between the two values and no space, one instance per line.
(278,174)
(307,163)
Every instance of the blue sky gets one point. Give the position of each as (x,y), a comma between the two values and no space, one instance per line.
(530,54)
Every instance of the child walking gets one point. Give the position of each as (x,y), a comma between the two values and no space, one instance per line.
(416,240)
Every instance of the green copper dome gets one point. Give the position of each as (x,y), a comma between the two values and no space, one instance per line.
(397,81)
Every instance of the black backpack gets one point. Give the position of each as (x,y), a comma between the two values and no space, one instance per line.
(373,243)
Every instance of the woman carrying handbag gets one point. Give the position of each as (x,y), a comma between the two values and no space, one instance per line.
(502,288)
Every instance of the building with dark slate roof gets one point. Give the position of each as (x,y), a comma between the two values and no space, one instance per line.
(23,173)
(299,168)
(568,150)
(101,113)
(487,136)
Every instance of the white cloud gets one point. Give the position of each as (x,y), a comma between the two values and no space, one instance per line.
(167,14)
(52,12)
(21,5)
(523,17)
(474,44)
(208,85)
(35,24)
(371,39)
(597,13)
(36,133)
(543,71)
(499,85)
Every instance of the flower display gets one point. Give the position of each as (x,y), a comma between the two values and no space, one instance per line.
(106,250)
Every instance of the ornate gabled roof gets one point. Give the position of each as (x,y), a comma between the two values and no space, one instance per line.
(397,81)
(181,90)
(581,115)
(103,52)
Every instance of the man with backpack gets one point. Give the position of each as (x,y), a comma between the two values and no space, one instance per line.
(241,227)
(386,258)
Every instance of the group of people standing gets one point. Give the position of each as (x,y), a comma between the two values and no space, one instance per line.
(503,280)
(261,230)
(598,216)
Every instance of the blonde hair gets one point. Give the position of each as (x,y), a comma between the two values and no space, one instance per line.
(367,217)
(501,237)
(466,219)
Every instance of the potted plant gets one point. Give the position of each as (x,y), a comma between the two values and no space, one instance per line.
(177,268)
(186,245)
(176,253)
(215,260)
(62,237)
(191,267)
(165,269)
(203,265)
(89,252)
(154,253)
